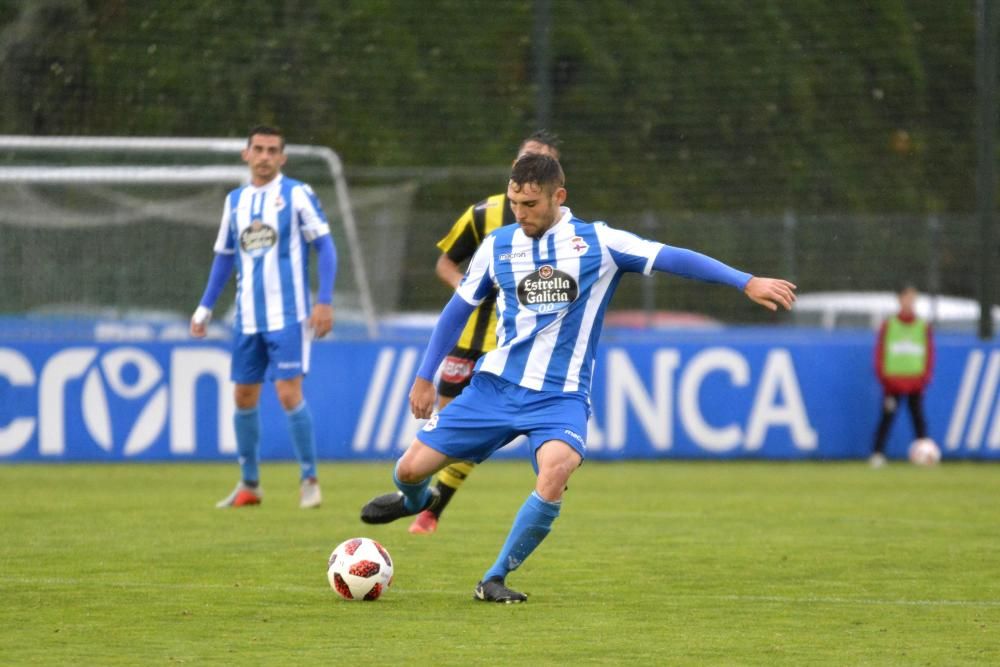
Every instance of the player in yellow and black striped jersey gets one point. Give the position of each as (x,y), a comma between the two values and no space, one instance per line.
(479,335)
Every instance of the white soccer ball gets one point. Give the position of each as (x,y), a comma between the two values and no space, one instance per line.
(359,569)
(923,452)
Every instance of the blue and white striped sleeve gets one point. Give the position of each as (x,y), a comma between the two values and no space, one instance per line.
(307,205)
(478,281)
(225,242)
(630,252)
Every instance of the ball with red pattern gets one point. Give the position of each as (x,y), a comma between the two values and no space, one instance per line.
(359,569)
(924,452)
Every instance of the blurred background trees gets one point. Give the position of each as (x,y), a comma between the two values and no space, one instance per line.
(737,126)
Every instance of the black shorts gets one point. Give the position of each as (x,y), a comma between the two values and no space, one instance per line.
(456,371)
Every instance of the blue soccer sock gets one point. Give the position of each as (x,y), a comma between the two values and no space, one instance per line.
(532,523)
(414,494)
(246,423)
(300,424)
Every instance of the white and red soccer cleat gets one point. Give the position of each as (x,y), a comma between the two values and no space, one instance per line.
(242,496)
(425,523)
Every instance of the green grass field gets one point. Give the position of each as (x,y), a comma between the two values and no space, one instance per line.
(650,563)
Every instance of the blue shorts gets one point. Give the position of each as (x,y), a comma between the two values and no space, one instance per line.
(276,355)
(491,412)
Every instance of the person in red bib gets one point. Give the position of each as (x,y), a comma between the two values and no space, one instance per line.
(904,362)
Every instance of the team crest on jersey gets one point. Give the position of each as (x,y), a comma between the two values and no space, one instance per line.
(279,203)
(258,238)
(547,290)
(578,245)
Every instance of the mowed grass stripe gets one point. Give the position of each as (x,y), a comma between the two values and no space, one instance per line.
(314,590)
(649,563)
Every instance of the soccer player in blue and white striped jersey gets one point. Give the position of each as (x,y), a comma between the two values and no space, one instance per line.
(266,230)
(555,274)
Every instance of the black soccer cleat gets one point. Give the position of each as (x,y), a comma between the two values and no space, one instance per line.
(493,590)
(391,506)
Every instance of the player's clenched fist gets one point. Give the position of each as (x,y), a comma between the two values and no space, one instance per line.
(199,322)
(422,397)
(321,319)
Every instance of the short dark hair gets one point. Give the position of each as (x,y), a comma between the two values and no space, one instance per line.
(266,130)
(545,138)
(542,170)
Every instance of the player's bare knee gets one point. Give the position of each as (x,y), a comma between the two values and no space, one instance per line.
(559,467)
(550,490)
(408,473)
(246,396)
(289,393)
(289,400)
(558,470)
(552,479)
(410,468)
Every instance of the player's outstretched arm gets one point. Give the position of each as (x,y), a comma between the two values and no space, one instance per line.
(770,292)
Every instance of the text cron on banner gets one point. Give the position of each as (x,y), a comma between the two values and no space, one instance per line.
(771,394)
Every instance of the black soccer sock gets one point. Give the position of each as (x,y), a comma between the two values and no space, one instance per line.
(446,493)
(917,414)
(449,479)
(889,405)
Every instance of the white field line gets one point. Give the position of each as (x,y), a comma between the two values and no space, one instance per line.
(320,588)
(811,599)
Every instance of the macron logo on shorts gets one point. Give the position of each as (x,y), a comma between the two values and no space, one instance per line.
(289,364)
(575,436)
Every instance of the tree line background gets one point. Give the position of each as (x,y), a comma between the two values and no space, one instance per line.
(706,123)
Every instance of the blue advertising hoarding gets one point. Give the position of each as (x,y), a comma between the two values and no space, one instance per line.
(732,393)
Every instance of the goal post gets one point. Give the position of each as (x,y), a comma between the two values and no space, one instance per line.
(70,184)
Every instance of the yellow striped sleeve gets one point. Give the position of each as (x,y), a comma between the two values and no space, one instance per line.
(464,223)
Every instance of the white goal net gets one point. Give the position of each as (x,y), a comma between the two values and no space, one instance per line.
(124,227)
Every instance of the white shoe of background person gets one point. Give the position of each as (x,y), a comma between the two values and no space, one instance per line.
(309,495)
(877,460)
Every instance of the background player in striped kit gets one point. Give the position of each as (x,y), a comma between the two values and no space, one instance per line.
(266,230)
(479,335)
(556,275)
